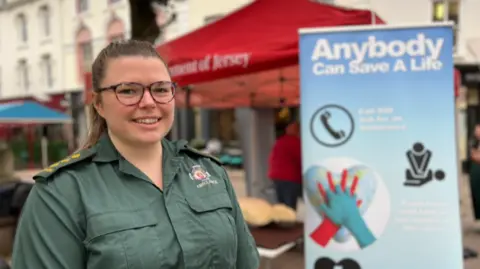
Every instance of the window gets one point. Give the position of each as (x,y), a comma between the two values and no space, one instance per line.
(22,30)
(447,10)
(45,20)
(87,56)
(47,75)
(22,73)
(82,6)
(84,52)
(116,30)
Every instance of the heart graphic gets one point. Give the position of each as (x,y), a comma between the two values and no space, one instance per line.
(365,191)
(327,263)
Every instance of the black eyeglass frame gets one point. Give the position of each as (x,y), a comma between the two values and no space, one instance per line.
(149,87)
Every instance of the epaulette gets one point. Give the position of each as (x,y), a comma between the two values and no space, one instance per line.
(72,159)
(203,154)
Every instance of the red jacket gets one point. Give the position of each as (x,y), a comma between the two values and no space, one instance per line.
(285,161)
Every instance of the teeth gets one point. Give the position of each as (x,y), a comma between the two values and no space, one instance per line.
(147,121)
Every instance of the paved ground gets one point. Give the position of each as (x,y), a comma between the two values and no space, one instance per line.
(294,259)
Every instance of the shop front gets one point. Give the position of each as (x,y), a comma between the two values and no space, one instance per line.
(468,112)
(25,136)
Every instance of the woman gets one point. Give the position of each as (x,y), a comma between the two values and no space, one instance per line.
(129,198)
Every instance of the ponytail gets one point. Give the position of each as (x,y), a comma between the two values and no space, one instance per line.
(97,126)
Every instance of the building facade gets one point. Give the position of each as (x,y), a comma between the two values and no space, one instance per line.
(88,26)
(46,46)
(32,67)
(30,48)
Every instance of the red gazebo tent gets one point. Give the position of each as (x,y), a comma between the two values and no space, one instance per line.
(250,57)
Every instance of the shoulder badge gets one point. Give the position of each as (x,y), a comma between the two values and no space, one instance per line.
(203,154)
(74,158)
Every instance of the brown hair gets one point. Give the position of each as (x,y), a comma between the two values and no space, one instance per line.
(98,125)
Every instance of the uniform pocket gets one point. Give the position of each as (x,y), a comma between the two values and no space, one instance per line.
(209,203)
(125,239)
(213,219)
(114,222)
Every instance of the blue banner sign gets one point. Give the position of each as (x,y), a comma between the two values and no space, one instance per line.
(379,148)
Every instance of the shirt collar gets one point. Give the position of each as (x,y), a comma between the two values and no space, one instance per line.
(106,151)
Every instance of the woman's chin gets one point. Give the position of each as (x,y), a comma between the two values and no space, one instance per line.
(148,138)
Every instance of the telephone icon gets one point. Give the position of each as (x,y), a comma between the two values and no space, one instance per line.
(324,118)
(332,125)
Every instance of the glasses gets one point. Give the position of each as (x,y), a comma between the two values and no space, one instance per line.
(131,93)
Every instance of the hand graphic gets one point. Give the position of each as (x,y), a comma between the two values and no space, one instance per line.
(341,203)
(341,209)
(329,227)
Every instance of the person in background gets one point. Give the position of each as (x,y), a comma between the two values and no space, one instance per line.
(285,166)
(473,168)
(475,172)
(131,198)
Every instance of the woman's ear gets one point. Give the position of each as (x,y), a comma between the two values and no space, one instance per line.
(97,104)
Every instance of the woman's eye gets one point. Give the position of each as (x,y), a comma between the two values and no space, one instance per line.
(126,91)
(160,90)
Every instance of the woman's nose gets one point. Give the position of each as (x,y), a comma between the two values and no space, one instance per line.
(147,99)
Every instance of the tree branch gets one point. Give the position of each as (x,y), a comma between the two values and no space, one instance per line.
(143,21)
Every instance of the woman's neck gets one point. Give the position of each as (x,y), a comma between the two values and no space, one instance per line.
(138,154)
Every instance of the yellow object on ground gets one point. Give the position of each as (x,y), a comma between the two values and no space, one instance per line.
(283,213)
(257,212)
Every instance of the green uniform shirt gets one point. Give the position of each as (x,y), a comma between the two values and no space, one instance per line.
(96,210)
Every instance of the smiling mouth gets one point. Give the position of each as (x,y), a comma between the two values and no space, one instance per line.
(147,120)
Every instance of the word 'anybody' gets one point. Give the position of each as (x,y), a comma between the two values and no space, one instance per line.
(373,48)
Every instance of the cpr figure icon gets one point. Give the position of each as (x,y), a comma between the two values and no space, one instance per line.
(351,203)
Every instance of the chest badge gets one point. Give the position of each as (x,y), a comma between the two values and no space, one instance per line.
(197,173)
